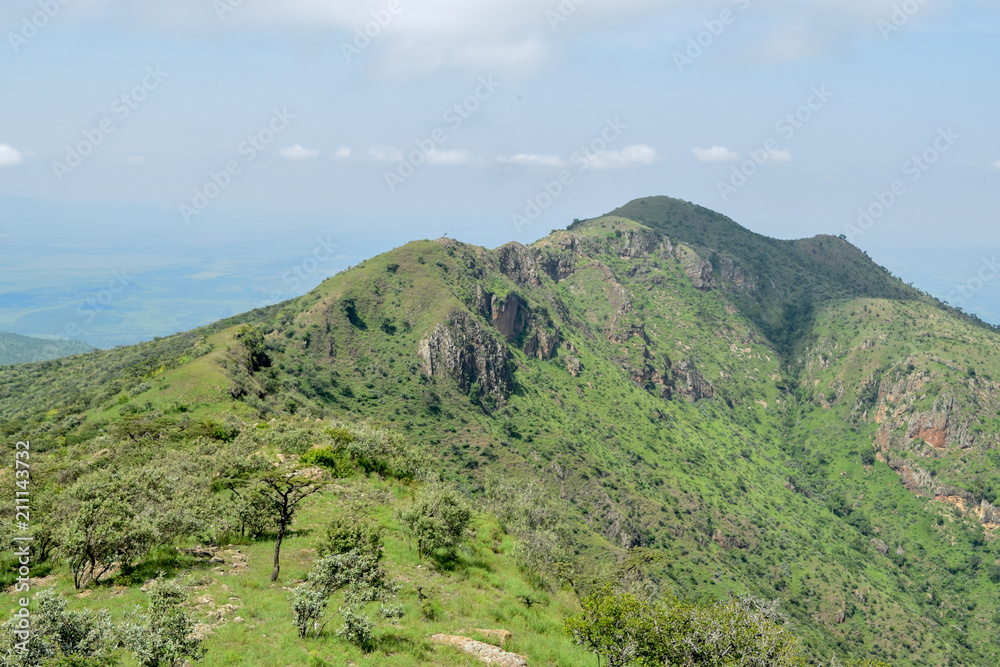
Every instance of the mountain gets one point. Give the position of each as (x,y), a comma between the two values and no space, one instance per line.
(17,349)
(711,410)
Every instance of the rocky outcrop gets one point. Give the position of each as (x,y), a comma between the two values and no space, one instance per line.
(487,653)
(514,319)
(697,269)
(690,383)
(469,353)
(509,315)
(542,343)
(518,264)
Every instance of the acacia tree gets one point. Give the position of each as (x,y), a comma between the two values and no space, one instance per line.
(284,491)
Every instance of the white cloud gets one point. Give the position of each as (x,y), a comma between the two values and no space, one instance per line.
(715,154)
(136,159)
(448,158)
(513,36)
(384,154)
(637,155)
(997,164)
(299,152)
(10,156)
(533,160)
(779,155)
(342,153)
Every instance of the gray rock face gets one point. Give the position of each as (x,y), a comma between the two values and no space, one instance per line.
(518,264)
(466,351)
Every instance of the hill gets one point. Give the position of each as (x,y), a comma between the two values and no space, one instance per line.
(708,411)
(16,349)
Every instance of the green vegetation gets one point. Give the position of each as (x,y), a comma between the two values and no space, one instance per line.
(15,349)
(656,399)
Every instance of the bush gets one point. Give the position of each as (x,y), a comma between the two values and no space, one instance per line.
(994,573)
(438,518)
(337,461)
(345,534)
(61,637)
(626,629)
(362,580)
(162,635)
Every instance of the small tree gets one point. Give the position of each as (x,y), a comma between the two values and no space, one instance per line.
(103,532)
(363,581)
(284,491)
(437,518)
(625,628)
(611,626)
(162,635)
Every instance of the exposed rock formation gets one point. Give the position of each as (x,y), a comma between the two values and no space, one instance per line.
(696,268)
(487,653)
(518,264)
(466,351)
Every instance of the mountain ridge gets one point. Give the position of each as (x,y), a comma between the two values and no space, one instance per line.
(761,422)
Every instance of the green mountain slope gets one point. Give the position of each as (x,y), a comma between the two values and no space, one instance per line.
(16,349)
(732,412)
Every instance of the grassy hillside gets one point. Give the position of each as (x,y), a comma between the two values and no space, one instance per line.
(15,349)
(707,410)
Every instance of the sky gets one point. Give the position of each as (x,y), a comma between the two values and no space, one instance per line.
(165,164)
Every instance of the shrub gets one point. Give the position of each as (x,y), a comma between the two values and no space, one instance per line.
(337,461)
(438,518)
(626,629)
(161,636)
(345,534)
(61,637)
(361,579)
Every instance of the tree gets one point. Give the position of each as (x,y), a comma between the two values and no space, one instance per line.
(285,490)
(359,574)
(611,626)
(438,517)
(994,573)
(162,635)
(626,629)
(60,636)
(103,532)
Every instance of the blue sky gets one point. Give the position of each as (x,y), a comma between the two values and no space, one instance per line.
(229,143)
